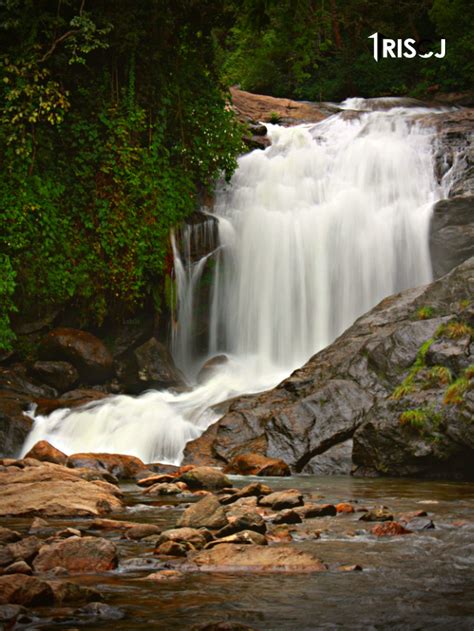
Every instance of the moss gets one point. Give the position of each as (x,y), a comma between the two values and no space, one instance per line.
(425,313)
(455,329)
(438,376)
(421,419)
(407,386)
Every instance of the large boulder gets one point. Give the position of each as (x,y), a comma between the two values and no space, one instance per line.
(20,589)
(207,513)
(60,375)
(84,351)
(345,392)
(77,555)
(256,464)
(121,466)
(452,233)
(31,487)
(207,478)
(45,452)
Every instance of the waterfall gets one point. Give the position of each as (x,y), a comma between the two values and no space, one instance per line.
(312,232)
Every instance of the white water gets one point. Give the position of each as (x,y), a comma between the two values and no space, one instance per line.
(313,231)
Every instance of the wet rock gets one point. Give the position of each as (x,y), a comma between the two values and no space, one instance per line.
(101,611)
(246,521)
(83,350)
(282,499)
(248,558)
(9,613)
(309,511)
(20,589)
(389,529)
(141,531)
(287,517)
(207,478)
(19,567)
(173,549)
(349,568)
(72,399)
(25,549)
(207,513)
(164,575)
(381,513)
(256,464)
(155,479)
(417,524)
(8,536)
(244,536)
(68,592)
(14,425)
(121,466)
(43,488)
(78,555)
(192,536)
(15,380)
(344,392)
(222,626)
(163,488)
(255,489)
(210,367)
(45,452)
(60,375)
(344,507)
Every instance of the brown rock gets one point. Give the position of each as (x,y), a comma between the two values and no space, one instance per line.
(381,513)
(164,488)
(20,589)
(349,568)
(8,536)
(249,520)
(72,399)
(78,555)
(282,499)
(208,478)
(141,531)
(156,479)
(247,558)
(344,507)
(68,592)
(287,517)
(244,536)
(43,488)
(163,575)
(59,375)
(121,466)
(255,489)
(19,567)
(389,529)
(173,549)
(192,536)
(207,513)
(317,510)
(83,350)
(38,524)
(256,464)
(44,451)
(222,626)
(24,550)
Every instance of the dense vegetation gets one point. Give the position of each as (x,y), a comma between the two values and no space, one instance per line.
(113,120)
(318,49)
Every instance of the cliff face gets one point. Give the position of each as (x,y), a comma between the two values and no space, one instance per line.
(393,395)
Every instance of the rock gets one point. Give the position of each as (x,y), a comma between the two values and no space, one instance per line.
(255,489)
(8,536)
(210,367)
(15,380)
(151,366)
(192,536)
(45,452)
(163,489)
(173,549)
(163,575)
(20,589)
(418,523)
(78,555)
(72,399)
(229,557)
(381,513)
(282,499)
(68,592)
(389,529)
(344,507)
(349,568)
(59,375)
(42,488)
(246,521)
(287,517)
(243,536)
(151,480)
(451,233)
(83,350)
(18,567)
(9,613)
(256,464)
(344,393)
(141,531)
(25,549)
(121,466)
(100,611)
(14,424)
(207,478)
(207,513)
(317,510)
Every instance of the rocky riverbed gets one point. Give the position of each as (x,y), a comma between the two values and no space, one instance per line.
(107,540)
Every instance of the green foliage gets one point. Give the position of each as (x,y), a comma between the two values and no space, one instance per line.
(437,376)
(454,395)
(111,120)
(407,386)
(455,330)
(274,118)
(425,313)
(423,419)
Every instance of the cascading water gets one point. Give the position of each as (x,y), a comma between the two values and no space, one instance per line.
(313,232)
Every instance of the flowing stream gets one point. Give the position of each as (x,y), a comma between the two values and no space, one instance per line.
(312,233)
